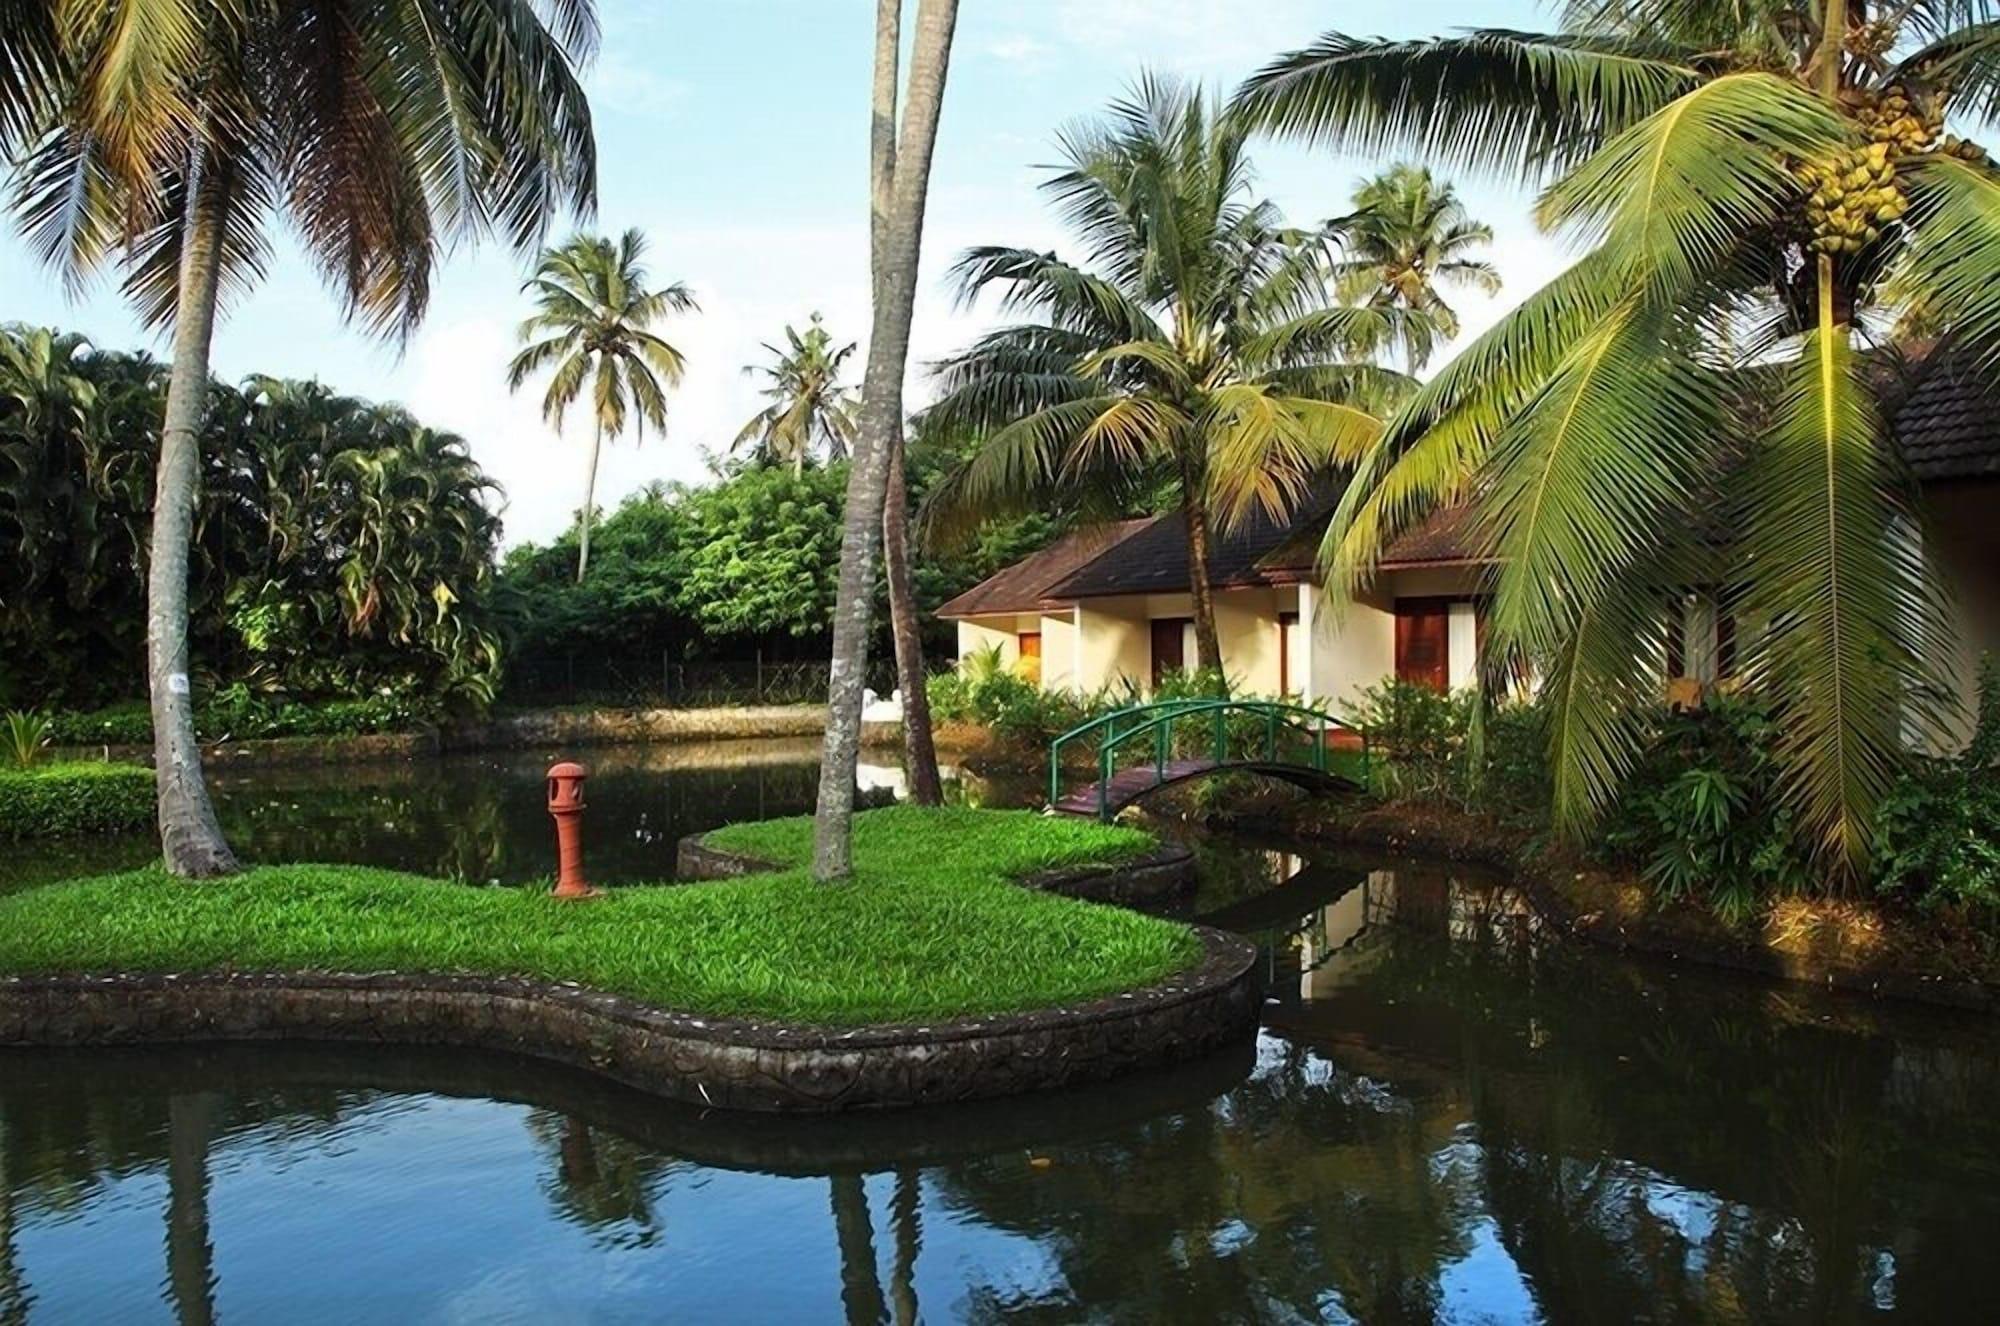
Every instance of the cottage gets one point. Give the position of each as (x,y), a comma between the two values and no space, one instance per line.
(1109,606)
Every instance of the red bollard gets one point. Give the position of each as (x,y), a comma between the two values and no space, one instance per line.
(566,805)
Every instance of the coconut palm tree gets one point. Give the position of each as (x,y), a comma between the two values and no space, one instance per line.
(809,407)
(1689,403)
(899,172)
(1407,236)
(594,318)
(1195,349)
(173,132)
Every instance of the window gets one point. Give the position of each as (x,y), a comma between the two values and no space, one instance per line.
(1030,665)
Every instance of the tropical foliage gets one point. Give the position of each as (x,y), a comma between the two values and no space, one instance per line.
(1693,402)
(341,548)
(810,408)
(1407,241)
(172,133)
(1939,841)
(1195,348)
(56,800)
(592,327)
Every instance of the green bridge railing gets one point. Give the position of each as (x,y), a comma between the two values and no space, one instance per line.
(1226,732)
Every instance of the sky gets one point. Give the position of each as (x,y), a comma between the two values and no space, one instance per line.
(734,134)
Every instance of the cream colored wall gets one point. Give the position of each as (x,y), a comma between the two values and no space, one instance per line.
(1060,652)
(1966,547)
(1246,630)
(1353,647)
(985,633)
(1112,645)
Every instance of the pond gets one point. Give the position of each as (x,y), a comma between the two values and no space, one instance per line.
(1448,1116)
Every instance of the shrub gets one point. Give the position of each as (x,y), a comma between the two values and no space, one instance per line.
(1419,741)
(1937,833)
(1701,814)
(26,736)
(53,800)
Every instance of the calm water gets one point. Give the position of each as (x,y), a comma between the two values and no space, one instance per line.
(1448,1117)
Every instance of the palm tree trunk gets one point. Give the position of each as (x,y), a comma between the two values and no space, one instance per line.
(919,751)
(13,1287)
(589,502)
(1207,651)
(907,1228)
(190,839)
(900,164)
(190,1255)
(853,1232)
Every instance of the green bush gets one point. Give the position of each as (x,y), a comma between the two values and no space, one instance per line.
(1419,741)
(24,737)
(1937,833)
(237,714)
(53,800)
(1701,815)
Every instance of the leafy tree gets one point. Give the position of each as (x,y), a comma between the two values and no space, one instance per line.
(809,407)
(174,131)
(1408,235)
(1755,184)
(339,547)
(594,315)
(762,551)
(1197,348)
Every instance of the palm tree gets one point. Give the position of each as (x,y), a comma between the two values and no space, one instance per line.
(1197,350)
(899,165)
(174,131)
(1408,235)
(809,407)
(594,316)
(1754,184)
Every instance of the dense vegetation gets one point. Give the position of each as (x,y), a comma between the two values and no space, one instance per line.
(930,927)
(55,800)
(341,548)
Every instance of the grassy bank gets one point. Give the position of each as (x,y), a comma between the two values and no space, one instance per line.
(930,928)
(68,798)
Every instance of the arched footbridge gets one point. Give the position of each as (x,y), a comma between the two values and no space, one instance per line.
(1140,749)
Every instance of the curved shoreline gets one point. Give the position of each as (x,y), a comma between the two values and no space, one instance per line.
(1167,871)
(735,1063)
(1426,843)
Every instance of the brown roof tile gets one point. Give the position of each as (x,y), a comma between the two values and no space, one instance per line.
(1949,424)
(1022,586)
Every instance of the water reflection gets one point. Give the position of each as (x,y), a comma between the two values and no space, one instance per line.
(483,817)
(1451,1116)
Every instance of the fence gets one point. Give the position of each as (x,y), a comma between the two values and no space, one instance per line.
(668,683)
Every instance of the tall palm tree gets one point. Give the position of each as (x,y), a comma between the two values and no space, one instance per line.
(809,405)
(899,174)
(1196,348)
(1407,236)
(594,315)
(1688,404)
(174,131)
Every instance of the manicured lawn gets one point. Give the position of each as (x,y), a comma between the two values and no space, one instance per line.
(929,929)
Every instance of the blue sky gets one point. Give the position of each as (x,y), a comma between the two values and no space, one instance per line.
(734,134)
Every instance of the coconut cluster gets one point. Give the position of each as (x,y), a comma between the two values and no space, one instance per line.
(1853,193)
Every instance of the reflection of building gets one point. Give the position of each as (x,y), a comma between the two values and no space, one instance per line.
(1332,954)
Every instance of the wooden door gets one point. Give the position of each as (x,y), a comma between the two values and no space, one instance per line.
(1288,635)
(1423,642)
(1030,666)
(1169,647)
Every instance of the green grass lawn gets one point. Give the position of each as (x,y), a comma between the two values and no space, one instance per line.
(930,927)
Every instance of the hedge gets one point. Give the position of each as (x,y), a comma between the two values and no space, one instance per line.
(241,718)
(56,799)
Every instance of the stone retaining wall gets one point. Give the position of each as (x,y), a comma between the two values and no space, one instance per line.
(1168,871)
(727,1062)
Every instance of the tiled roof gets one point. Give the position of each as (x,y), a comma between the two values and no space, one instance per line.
(1022,586)
(1447,536)
(1154,559)
(1949,424)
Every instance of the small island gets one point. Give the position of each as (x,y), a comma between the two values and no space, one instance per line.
(932,975)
